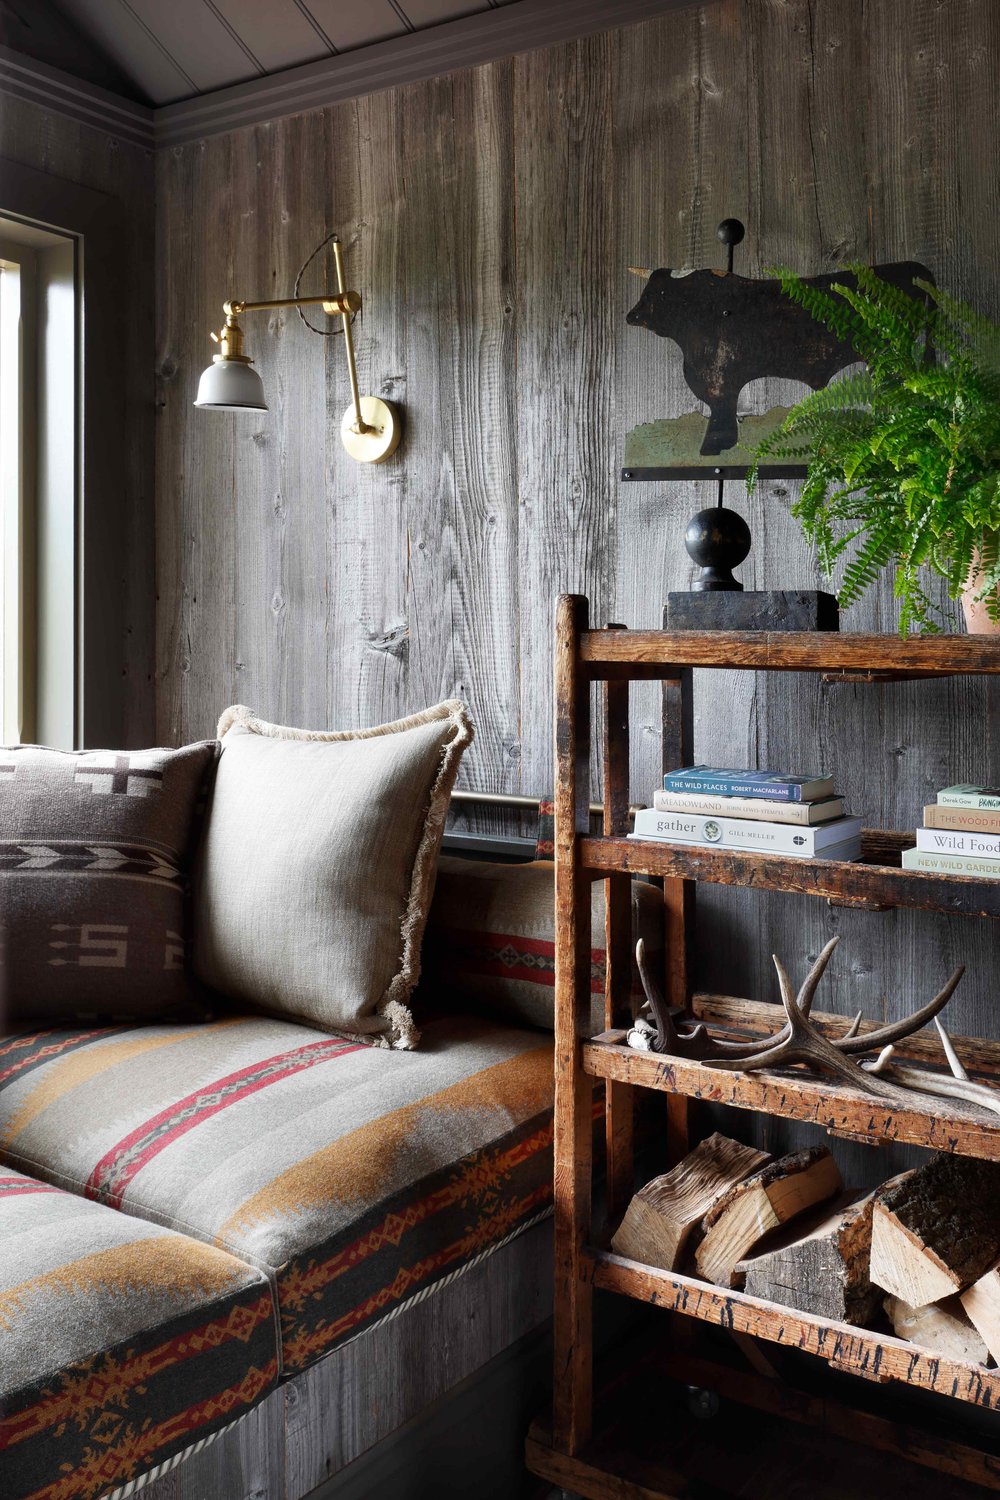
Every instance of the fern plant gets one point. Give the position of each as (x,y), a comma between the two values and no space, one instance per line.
(903,457)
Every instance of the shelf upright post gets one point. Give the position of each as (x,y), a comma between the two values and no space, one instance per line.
(677,742)
(573,1297)
(619,1104)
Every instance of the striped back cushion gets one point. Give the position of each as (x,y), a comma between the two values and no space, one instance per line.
(490,941)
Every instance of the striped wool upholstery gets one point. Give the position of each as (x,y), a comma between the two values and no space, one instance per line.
(491,941)
(122,1343)
(358,1176)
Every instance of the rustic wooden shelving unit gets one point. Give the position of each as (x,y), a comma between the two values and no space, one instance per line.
(567,1452)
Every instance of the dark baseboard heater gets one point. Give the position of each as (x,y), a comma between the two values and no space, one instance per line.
(499,846)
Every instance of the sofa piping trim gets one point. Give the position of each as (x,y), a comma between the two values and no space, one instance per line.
(134,1486)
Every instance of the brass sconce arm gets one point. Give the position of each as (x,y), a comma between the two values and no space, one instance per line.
(333,302)
(344,303)
(370,430)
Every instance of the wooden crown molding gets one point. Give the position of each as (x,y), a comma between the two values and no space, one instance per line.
(21,77)
(519,26)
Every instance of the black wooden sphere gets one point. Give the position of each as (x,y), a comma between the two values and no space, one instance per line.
(730,232)
(717,540)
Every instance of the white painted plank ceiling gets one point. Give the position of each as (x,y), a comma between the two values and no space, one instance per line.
(177,49)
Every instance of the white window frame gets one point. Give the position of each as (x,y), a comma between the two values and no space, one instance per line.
(39,486)
(89,520)
(18,448)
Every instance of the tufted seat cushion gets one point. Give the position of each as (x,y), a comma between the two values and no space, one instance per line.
(124,1344)
(357,1177)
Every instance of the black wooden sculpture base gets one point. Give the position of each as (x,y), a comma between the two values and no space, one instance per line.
(765,609)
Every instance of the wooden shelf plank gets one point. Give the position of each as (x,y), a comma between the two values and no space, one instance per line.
(738,1018)
(610,1465)
(937,1124)
(600,1476)
(791,651)
(855,1351)
(878,886)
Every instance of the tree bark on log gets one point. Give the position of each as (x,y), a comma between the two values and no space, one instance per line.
(936,1230)
(753,1208)
(660,1219)
(821,1266)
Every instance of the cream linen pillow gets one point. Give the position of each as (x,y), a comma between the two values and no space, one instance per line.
(318,863)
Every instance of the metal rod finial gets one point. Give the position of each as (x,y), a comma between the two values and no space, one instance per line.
(730,233)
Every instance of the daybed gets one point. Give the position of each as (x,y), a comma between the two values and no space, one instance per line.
(238,1252)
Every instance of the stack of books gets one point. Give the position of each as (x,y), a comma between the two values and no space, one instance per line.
(961,834)
(778,814)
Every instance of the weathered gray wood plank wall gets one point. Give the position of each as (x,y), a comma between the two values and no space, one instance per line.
(490,217)
(53,143)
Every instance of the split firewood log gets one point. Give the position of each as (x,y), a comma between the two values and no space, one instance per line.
(819,1264)
(659,1220)
(981,1303)
(936,1230)
(753,1208)
(943,1327)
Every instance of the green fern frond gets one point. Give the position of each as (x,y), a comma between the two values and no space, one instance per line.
(903,457)
(822,305)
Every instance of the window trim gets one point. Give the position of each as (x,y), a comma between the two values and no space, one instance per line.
(95,223)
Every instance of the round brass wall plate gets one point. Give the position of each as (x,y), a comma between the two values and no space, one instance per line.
(384,431)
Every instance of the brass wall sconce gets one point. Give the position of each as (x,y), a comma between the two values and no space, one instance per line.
(371,428)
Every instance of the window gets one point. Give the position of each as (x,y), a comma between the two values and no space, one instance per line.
(38,484)
(16,445)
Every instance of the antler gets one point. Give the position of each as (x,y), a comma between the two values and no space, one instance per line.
(667,1038)
(958,1086)
(803,1043)
(695,1042)
(799,1041)
(958,1070)
(896,1030)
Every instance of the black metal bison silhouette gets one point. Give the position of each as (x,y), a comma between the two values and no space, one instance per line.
(732,329)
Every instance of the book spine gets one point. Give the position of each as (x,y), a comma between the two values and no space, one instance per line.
(950,864)
(967,819)
(774,792)
(945,841)
(703,804)
(978,800)
(731,833)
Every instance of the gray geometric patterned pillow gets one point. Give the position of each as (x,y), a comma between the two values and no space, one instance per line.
(95,848)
